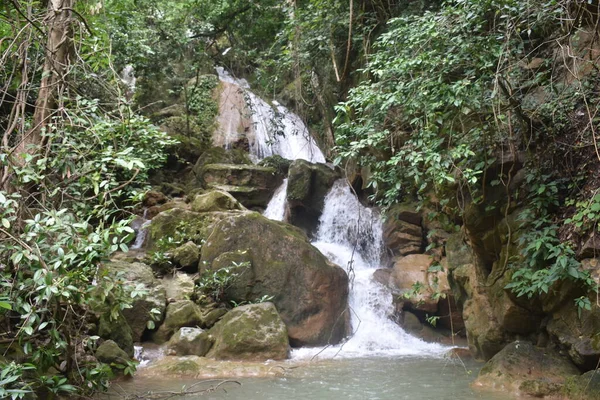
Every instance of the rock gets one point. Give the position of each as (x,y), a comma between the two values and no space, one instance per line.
(215,200)
(190,342)
(251,185)
(179,286)
(185,224)
(403,238)
(308,184)
(194,367)
(186,257)
(578,334)
(524,369)
(153,211)
(281,165)
(406,212)
(184,313)
(591,247)
(251,332)
(110,353)
(154,198)
(210,316)
(411,323)
(138,315)
(116,330)
(383,276)
(583,387)
(309,292)
(460,353)
(220,155)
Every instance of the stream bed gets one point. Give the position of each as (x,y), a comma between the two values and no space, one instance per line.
(375,378)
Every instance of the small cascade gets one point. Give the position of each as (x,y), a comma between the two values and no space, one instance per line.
(276,207)
(140,226)
(274,129)
(350,235)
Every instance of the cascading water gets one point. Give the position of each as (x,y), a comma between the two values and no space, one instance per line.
(276,130)
(350,235)
(276,207)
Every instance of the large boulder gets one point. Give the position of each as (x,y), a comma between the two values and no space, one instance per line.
(584,387)
(183,313)
(186,256)
(250,332)
(190,342)
(250,184)
(110,353)
(308,184)
(523,369)
(215,200)
(117,330)
(309,292)
(148,307)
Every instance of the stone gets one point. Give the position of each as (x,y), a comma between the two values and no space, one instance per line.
(219,155)
(411,323)
(406,212)
(403,238)
(210,316)
(110,353)
(189,341)
(310,293)
(116,330)
(583,387)
(383,276)
(215,200)
(186,257)
(577,331)
(154,198)
(178,286)
(591,247)
(308,184)
(523,369)
(138,315)
(183,313)
(251,332)
(194,367)
(251,185)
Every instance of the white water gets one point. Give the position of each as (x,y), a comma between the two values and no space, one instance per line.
(350,235)
(277,131)
(276,207)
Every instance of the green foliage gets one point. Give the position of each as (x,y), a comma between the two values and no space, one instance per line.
(212,284)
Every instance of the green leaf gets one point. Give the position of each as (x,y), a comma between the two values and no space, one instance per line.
(5,223)
(5,305)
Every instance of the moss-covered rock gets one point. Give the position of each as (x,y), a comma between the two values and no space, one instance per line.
(308,184)
(250,332)
(110,353)
(309,292)
(117,330)
(583,387)
(183,313)
(190,342)
(524,369)
(178,286)
(187,256)
(138,315)
(215,200)
(281,165)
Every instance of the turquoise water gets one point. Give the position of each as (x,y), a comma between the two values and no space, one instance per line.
(378,378)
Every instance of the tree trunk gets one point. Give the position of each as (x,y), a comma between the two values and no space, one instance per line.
(59,47)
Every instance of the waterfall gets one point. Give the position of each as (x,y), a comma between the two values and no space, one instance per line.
(350,235)
(274,129)
(276,207)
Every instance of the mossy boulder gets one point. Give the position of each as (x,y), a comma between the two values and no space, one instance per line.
(110,353)
(219,155)
(189,341)
(116,330)
(215,200)
(281,165)
(138,315)
(309,292)
(583,387)
(308,184)
(250,332)
(252,185)
(186,256)
(183,313)
(523,369)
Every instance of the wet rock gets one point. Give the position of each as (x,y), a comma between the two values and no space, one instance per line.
(250,332)
(308,184)
(523,369)
(215,200)
(110,353)
(186,257)
(309,292)
(116,330)
(190,342)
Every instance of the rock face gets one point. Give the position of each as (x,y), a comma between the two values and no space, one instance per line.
(309,292)
(250,184)
(190,342)
(138,315)
(308,185)
(402,232)
(250,332)
(523,369)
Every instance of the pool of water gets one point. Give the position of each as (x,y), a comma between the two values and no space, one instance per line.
(379,378)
